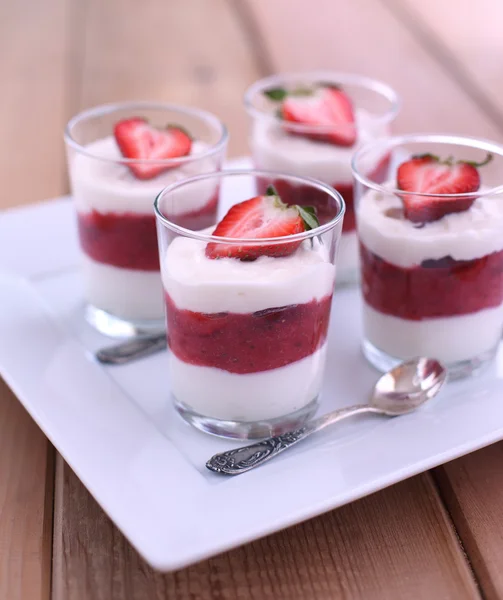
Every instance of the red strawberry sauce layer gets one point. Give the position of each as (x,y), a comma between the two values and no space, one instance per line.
(304,195)
(129,240)
(250,342)
(436,288)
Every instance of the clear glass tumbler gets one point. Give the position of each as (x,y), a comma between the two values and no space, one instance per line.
(247,337)
(310,151)
(431,262)
(115,215)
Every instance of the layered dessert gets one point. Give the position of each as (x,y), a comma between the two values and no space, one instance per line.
(432,265)
(247,324)
(114,200)
(314,131)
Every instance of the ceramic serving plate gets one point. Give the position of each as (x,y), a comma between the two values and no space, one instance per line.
(116,428)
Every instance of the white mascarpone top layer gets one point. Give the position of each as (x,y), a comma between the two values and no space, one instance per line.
(463,236)
(274,149)
(200,284)
(107,186)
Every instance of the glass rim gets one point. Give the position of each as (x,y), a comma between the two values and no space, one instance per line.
(109,108)
(205,237)
(375,85)
(433,138)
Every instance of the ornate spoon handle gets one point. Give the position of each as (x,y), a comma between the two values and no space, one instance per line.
(240,460)
(120,354)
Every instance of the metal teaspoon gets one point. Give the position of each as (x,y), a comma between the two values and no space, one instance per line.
(397,392)
(124,352)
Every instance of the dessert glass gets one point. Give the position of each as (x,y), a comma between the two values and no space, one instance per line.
(376,106)
(433,289)
(247,339)
(115,216)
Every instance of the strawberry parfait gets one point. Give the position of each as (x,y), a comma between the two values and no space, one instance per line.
(431,252)
(248,306)
(119,158)
(310,125)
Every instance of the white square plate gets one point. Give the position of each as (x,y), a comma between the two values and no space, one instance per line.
(116,428)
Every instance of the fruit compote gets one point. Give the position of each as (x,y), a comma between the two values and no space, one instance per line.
(435,288)
(250,342)
(129,240)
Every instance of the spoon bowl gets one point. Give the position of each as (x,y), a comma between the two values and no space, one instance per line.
(408,385)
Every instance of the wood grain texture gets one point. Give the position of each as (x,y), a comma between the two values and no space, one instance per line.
(395,544)
(471,488)
(32,114)
(185,51)
(365,36)
(33,107)
(468,41)
(26,484)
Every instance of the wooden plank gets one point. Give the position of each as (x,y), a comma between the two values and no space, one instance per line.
(33,103)
(26,483)
(32,115)
(468,41)
(186,51)
(395,544)
(472,490)
(365,36)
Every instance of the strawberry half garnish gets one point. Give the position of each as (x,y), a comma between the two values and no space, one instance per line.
(137,139)
(427,174)
(258,218)
(322,105)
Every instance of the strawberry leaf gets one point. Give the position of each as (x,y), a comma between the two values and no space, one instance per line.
(276,94)
(302,91)
(271,191)
(486,161)
(427,155)
(308,215)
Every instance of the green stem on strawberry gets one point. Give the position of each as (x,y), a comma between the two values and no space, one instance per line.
(449,161)
(279,94)
(306,213)
(276,94)
(486,161)
(308,216)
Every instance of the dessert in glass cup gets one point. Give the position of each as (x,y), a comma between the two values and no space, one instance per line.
(248,305)
(431,251)
(119,158)
(310,124)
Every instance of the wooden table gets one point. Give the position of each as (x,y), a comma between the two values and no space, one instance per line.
(437,535)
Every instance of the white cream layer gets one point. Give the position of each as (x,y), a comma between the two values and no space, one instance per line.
(247,397)
(125,293)
(276,150)
(108,186)
(463,236)
(200,284)
(448,339)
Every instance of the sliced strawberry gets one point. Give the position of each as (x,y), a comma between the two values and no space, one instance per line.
(323,105)
(258,218)
(137,139)
(427,174)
